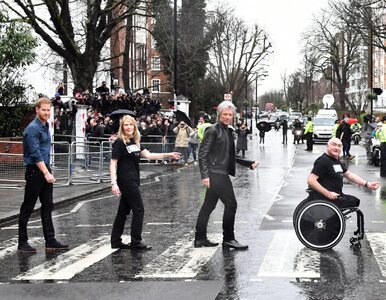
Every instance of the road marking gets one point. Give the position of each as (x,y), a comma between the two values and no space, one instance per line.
(268,217)
(161,223)
(80,204)
(9,247)
(94,225)
(377,242)
(68,264)
(286,257)
(180,260)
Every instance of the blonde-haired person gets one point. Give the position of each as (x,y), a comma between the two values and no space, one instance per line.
(125,181)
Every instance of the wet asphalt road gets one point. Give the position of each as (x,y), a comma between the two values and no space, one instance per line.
(276,266)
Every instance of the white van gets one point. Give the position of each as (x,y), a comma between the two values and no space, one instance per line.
(323,125)
(327,113)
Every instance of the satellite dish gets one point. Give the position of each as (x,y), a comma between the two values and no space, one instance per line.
(328,100)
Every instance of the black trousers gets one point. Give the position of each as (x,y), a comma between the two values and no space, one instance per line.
(131,200)
(383,159)
(309,140)
(36,187)
(346,146)
(220,188)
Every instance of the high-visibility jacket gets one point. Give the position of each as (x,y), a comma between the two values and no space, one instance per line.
(334,129)
(381,134)
(201,130)
(309,127)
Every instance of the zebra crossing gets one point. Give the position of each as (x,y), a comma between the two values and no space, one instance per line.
(284,257)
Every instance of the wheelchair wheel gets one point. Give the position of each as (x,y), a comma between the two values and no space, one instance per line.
(319,225)
(296,211)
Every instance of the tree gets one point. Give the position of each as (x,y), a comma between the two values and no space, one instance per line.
(76,31)
(192,45)
(334,49)
(237,52)
(16,52)
(295,90)
(366,17)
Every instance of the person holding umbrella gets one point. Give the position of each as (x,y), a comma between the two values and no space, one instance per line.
(124,175)
(263,127)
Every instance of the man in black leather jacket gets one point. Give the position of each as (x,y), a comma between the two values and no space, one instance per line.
(217,161)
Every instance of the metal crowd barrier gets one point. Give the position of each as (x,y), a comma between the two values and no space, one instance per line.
(72,162)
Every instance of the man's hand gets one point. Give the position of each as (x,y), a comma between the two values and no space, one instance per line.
(333,195)
(49,177)
(373,185)
(254,165)
(206,182)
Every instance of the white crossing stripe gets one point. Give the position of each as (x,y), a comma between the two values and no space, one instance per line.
(180,260)
(268,217)
(287,257)
(68,264)
(377,241)
(9,247)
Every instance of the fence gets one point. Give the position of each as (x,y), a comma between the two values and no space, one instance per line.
(74,160)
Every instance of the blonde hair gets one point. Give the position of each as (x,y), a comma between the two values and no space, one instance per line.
(121,133)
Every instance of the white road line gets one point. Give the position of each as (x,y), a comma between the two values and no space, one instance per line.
(180,260)
(377,241)
(236,222)
(68,264)
(80,204)
(9,247)
(286,257)
(94,225)
(161,223)
(268,217)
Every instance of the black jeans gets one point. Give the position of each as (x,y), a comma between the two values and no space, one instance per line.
(220,188)
(309,140)
(36,186)
(383,159)
(346,142)
(131,200)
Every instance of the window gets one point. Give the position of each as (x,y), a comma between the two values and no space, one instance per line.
(156,63)
(152,42)
(155,85)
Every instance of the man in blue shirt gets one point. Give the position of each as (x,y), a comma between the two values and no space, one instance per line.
(39,179)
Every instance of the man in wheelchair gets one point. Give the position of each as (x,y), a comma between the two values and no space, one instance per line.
(326,178)
(319,220)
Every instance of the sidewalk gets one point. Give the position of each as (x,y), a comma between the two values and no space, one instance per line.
(11,199)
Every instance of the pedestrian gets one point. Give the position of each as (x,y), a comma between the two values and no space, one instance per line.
(345,137)
(39,179)
(193,144)
(366,136)
(182,132)
(308,132)
(242,141)
(217,161)
(204,123)
(284,127)
(125,182)
(381,135)
(335,128)
(326,178)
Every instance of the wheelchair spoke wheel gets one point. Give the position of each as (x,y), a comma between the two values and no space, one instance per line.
(320,225)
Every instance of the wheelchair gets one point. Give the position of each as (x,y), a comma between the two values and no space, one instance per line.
(321,224)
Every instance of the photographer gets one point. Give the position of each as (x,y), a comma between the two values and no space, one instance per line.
(242,142)
(182,132)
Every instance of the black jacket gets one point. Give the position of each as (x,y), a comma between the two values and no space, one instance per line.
(217,152)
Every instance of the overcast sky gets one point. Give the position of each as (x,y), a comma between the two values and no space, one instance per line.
(283,21)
